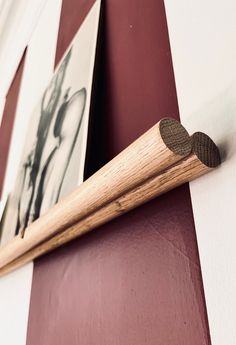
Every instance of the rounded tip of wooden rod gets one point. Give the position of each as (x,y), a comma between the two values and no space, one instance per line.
(206,150)
(175,137)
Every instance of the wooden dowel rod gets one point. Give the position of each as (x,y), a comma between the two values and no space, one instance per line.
(204,158)
(163,145)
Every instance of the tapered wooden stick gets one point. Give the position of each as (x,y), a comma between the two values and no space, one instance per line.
(205,156)
(163,145)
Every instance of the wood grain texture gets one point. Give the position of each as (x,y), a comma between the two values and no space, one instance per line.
(164,144)
(205,157)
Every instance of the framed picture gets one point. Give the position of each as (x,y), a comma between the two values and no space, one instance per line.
(53,158)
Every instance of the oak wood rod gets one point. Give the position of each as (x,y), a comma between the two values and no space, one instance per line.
(205,157)
(160,147)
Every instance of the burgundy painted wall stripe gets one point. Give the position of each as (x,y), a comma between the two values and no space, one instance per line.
(8,120)
(136,280)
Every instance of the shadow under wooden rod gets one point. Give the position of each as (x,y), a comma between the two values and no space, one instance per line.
(183,166)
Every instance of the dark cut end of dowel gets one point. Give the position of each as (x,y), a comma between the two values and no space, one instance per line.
(206,150)
(175,137)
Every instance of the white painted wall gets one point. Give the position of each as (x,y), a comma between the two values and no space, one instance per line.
(17,22)
(203,44)
(15,291)
(15,288)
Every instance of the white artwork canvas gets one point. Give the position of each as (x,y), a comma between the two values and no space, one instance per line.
(53,158)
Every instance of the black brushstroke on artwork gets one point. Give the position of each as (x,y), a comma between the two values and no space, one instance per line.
(32,163)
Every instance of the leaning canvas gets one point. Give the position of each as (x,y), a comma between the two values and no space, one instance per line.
(53,158)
